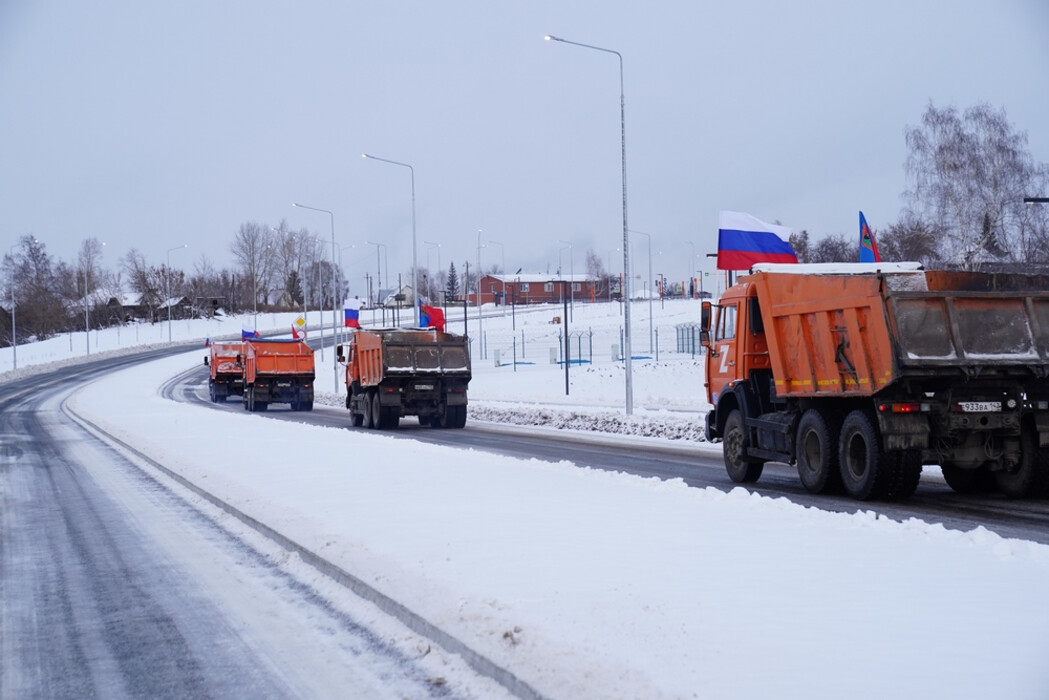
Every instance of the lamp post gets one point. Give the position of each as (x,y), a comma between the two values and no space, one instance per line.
(650,331)
(89,263)
(415,281)
(432,246)
(691,265)
(334,293)
(378,272)
(571,278)
(167,283)
(626,236)
(14,314)
(502,269)
(480,324)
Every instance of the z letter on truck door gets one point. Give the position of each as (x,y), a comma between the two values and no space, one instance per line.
(723,364)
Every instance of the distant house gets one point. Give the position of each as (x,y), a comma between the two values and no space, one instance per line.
(402,297)
(534,288)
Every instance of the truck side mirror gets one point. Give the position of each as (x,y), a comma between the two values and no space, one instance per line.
(205,360)
(704,317)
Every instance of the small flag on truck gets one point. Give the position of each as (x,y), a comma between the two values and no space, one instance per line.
(868,248)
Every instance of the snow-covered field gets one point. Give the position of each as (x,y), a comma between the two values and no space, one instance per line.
(589,584)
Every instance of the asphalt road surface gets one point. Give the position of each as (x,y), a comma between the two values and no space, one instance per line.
(113,584)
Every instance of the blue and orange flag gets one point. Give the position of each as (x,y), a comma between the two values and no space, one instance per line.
(868,248)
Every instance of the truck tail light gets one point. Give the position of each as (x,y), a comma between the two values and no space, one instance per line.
(903,407)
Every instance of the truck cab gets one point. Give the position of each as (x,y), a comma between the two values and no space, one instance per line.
(734,335)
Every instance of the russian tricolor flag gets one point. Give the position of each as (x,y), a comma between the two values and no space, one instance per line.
(352,313)
(248,333)
(744,241)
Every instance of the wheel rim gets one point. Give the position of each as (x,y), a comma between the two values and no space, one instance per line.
(856,456)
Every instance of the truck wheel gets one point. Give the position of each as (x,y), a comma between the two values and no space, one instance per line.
(306,405)
(378,415)
(817,446)
(251,399)
(865,468)
(740,471)
(366,406)
(460,417)
(392,417)
(211,393)
(978,480)
(905,475)
(1030,476)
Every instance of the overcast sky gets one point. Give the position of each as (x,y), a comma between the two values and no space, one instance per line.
(151,125)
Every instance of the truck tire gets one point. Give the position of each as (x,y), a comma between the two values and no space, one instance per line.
(961,480)
(739,470)
(866,470)
(378,414)
(1031,476)
(366,415)
(905,474)
(249,401)
(392,417)
(817,446)
(211,393)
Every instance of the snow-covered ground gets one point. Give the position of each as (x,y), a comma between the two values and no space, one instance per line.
(589,584)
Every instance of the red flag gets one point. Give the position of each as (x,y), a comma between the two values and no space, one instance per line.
(431,317)
(295,332)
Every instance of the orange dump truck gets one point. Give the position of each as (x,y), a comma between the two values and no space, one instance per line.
(277,371)
(863,373)
(227,376)
(398,372)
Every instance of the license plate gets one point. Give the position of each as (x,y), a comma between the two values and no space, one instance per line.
(424,387)
(980,406)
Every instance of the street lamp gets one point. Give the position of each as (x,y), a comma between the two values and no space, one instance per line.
(167,283)
(432,246)
(378,272)
(571,277)
(650,331)
(626,236)
(502,269)
(334,294)
(14,314)
(415,281)
(87,290)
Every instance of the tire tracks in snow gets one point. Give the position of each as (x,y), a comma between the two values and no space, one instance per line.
(412,620)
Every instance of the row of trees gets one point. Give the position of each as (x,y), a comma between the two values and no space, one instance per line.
(968,174)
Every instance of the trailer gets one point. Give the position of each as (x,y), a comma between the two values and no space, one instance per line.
(277,371)
(396,372)
(862,373)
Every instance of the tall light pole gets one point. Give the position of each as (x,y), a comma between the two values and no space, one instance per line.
(480,326)
(691,266)
(626,235)
(571,278)
(167,283)
(89,263)
(502,268)
(14,313)
(334,294)
(415,279)
(378,272)
(650,331)
(432,246)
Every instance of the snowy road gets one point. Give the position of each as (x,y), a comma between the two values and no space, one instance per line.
(113,584)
